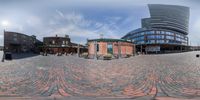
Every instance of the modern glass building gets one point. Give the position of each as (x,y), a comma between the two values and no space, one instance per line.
(165,31)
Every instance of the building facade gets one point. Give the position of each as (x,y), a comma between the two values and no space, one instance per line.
(116,47)
(18,42)
(165,31)
(62,45)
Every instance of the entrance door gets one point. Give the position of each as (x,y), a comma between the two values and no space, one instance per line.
(110,48)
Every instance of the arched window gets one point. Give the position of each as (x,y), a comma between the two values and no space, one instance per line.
(53,42)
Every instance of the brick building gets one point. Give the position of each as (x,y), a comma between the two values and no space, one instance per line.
(56,44)
(116,47)
(18,42)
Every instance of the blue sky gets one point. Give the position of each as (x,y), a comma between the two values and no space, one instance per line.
(85,19)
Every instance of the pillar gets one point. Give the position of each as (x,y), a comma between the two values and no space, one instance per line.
(119,50)
(95,50)
(78,50)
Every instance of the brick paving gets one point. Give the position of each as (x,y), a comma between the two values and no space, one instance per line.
(142,77)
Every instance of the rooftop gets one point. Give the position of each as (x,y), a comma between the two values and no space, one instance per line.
(109,40)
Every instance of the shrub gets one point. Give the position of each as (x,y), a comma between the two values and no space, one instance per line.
(85,54)
(107,57)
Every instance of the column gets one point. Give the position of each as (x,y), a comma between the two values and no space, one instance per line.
(119,49)
(78,50)
(95,50)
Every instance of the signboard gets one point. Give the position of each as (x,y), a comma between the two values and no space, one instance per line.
(152,48)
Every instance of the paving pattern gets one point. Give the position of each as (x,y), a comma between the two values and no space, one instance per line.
(145,76)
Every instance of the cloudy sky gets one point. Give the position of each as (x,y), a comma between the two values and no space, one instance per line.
(85,19)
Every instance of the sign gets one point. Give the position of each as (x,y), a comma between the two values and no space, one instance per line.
(152,48)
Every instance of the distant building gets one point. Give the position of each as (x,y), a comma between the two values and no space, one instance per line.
(62,45)
(165,31)
(18,42)
(116,47)
(194,48)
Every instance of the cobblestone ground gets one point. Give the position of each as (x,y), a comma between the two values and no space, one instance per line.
(166,76)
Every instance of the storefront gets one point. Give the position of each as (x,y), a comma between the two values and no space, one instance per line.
(117,48)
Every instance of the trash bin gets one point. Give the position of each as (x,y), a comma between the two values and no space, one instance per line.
(197,55)
(8,56)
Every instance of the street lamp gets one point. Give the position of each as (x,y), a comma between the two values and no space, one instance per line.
(4,24)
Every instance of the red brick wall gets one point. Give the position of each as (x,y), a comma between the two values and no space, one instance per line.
(102,48)
(115,48)
(126,48)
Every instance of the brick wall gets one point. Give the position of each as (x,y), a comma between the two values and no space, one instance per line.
(126,48)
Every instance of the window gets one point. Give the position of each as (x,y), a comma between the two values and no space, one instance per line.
(97,47)
(15,39)
(142,33)
(66,42)
(150,32)
(139,38)
(150,41)
(160,36)
(160,41)
(169,33)
(150,36)
(178,39)
(158,32)
(110,48)
(140,42)
(170,37)
(15,35)
(53,42)
(23,36)
(162,32)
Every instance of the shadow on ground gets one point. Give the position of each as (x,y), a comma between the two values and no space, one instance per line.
(23,55)
(20,55)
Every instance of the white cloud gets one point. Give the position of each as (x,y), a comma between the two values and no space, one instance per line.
(197,25)
(60,13)
(76,25)
(194,33)
(33,20)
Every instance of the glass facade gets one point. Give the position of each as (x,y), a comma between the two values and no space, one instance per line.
(158,37)
(166,28)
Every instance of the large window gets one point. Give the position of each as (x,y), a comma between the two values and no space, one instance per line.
(150,32)
(140,42)
(169,33)
(150,36)
(142,33)
(15,39)
(160,41)
(158,32)
(178,39)
(162,32)
(139,38)
(150,41)
(97,47)
(159,36)
(110,48)
(53,42)
(170,37)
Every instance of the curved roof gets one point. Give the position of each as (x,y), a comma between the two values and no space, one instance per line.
(17,33)
(170,17)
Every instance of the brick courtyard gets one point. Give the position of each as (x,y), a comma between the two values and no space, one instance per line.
(142,77)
